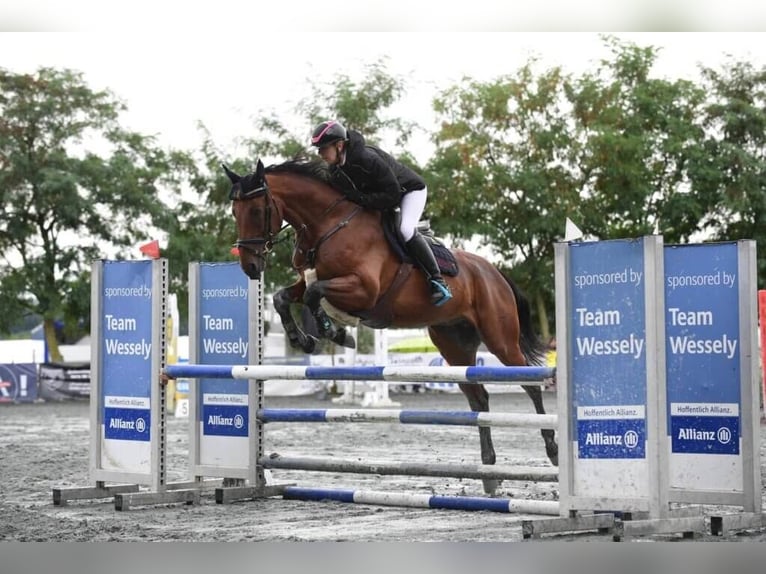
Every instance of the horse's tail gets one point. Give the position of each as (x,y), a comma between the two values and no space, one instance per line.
(532,346)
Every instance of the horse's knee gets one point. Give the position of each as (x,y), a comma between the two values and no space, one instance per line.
(312,296)
(281,302)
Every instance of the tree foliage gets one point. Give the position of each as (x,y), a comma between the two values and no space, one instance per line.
(728,174)
(75,187)
(619,150)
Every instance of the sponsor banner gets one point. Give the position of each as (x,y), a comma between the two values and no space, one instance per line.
(127,418)
(126,326)
(224,420)
(608,348)
(705,435)
(64,381)
(703,348)
(222,326)
(611,438)
(127,424)
(18,383)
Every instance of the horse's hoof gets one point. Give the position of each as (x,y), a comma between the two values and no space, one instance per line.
(553,454)
(345,340)
(490,485)
(309,344)
(295,344)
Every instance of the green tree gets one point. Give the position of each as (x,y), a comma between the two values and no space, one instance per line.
(634,138)
(75,187)
(502,172)
(610,149)
(729,173)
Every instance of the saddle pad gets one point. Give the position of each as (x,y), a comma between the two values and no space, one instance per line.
(444,257)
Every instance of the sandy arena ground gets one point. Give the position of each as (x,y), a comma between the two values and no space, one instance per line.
(46,446)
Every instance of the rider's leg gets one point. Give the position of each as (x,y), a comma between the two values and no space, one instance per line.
(412,207)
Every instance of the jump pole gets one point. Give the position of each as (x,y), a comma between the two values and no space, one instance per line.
(422,500)
(397,373)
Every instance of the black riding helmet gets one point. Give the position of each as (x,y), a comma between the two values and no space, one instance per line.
(328,132)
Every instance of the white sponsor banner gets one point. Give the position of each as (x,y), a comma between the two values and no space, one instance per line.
(127,402)
(224,399)
(704,409)
(611,412)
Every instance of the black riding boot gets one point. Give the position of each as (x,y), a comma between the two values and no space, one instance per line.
(418,248)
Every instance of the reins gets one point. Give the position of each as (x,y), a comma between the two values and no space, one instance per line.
(311,254)
(270,240)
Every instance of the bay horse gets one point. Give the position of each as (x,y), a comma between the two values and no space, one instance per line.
(357,271)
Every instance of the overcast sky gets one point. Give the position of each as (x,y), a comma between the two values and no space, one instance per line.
(169,83)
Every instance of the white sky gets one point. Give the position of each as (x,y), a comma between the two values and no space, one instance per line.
(171,81)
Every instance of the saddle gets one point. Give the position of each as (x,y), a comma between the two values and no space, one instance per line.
(381,315)
(444,257)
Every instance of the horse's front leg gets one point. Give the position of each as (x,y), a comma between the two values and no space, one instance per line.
(282,301)
(347,289)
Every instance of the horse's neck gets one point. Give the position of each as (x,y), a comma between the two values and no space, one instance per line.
(309,205)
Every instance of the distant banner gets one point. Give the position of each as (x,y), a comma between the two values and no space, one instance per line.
(63,381)
(18,383)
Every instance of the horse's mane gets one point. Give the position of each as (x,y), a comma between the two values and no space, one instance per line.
(314,168)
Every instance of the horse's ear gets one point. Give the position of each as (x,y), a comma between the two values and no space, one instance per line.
(232,176)
(259,170)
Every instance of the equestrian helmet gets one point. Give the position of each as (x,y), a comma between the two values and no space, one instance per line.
(328,132)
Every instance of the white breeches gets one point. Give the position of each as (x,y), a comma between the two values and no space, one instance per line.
(412,206)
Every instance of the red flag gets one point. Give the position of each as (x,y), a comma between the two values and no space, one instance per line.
(151,249)
(234,251)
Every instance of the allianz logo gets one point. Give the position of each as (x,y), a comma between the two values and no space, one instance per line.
(237,421)
(138,425)
(723,435)
(628,440)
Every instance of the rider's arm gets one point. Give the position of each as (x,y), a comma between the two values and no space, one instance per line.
(387,191)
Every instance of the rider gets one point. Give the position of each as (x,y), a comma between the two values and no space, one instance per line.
(372,178)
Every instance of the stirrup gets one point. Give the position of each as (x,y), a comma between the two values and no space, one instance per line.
(440,293)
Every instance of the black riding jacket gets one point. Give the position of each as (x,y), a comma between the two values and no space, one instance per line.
(373,178)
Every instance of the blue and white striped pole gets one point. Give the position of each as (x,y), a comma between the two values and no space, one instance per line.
(503,375)
(548,507)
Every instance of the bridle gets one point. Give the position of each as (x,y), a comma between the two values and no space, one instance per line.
(249,244)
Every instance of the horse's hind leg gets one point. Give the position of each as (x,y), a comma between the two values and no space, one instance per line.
(502,335)
(549,435)
(458,344)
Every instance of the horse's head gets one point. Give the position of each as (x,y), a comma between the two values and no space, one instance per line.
(257,218)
